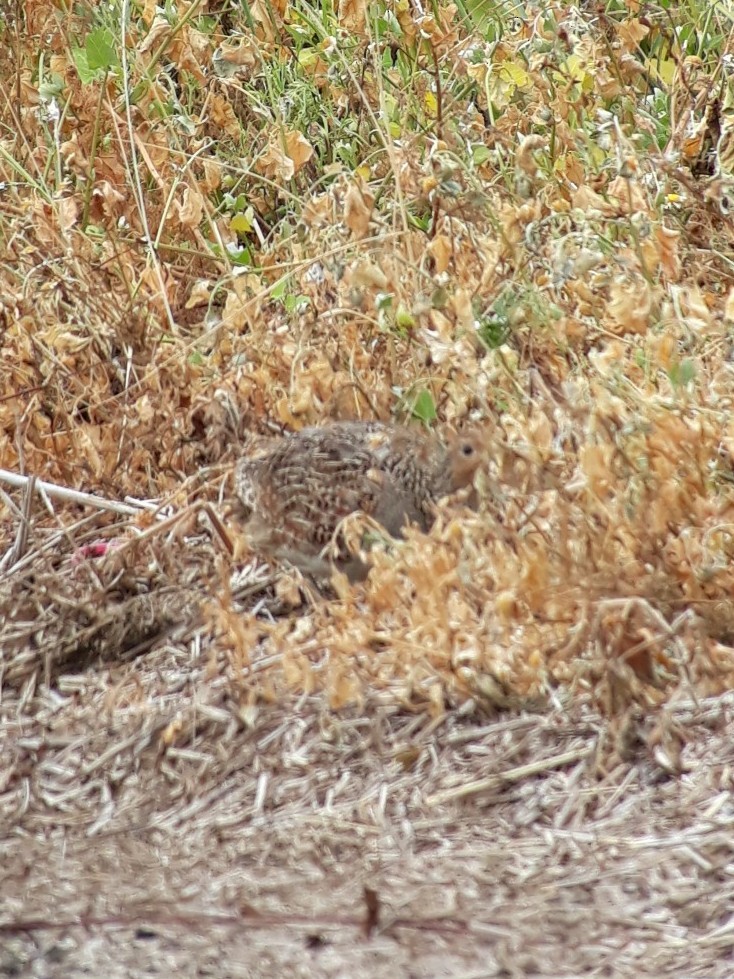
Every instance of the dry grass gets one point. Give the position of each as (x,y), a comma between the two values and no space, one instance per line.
(156,821)
(508,752)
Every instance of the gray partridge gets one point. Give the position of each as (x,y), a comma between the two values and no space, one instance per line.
(300,489)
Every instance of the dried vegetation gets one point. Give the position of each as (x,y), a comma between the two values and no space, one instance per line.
(247,219)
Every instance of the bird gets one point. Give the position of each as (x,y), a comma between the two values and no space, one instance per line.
(300,488)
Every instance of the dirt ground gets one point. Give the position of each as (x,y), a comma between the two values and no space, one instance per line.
(518,845)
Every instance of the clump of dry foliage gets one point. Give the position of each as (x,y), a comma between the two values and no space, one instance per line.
(522,237)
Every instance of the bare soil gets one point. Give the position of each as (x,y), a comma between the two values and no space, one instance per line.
(519,845)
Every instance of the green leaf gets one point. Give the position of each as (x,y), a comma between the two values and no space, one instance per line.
(81,63)
(98,55)
(51,87)
(404,319)
(383,301)
(424,408)
(280,289)
(296,304)
(241,256)
(682,374)
(240,224)
(493,332)
(480,154)
(101,53)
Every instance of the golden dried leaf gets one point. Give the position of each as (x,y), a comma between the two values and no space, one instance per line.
(358,204)
(352,16)
(148,12)
(298,149)
(269,16)
(109,197)
(692,303)
(441,250)
(212,175)
(240,53)
(319,211)
(628,196)
(589,201)
(67,210)
(200,293)
(540,431)
(366,275)
(159,29)
(191,209)
(285,156)
(631,32)
(222,114)
(629,307)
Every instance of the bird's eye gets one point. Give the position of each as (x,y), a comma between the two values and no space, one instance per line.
(467,450)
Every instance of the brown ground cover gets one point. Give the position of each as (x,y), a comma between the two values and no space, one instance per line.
(508,752)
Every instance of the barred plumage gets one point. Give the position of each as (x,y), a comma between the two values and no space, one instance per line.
(300,489)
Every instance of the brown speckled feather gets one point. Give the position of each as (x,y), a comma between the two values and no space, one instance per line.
(301,489)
